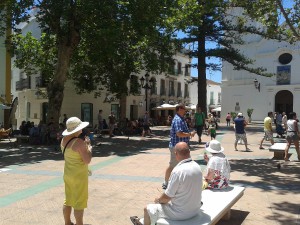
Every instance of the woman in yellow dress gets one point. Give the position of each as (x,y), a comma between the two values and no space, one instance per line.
(78,154)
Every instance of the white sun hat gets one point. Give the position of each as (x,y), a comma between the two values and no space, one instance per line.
(214,147)
(74,124)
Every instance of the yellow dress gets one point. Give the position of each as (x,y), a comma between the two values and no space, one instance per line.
(76,179)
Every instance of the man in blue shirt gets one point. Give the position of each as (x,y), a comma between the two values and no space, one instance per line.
(240,133)
(179,133)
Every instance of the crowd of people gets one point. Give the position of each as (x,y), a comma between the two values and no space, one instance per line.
(42,133)
(184,180)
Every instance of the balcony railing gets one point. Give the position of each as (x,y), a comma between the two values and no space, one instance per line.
(23,84)
(40,82)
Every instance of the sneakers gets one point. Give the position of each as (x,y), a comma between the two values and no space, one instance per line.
(164,185)
(248,150)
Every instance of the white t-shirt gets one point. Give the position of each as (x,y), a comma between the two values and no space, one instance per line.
(185,189)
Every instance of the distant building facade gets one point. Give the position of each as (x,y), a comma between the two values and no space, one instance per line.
(170,87)
(242,90)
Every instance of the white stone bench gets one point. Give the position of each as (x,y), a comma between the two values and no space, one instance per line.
(22,138)
(216,206)
(278,149)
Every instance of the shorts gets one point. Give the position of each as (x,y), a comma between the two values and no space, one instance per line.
(292,136)
(155,212)
(241,136)
(111,126)
(146,127)
(268,135)
(173,162)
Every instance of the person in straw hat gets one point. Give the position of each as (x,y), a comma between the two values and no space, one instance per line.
(78,154)
(218,167)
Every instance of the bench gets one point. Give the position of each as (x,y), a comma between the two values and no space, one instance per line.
(210,212)
(22,138)
(278,149)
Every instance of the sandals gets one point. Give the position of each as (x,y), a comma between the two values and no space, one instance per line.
(135,220)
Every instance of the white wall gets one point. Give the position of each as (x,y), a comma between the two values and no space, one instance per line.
(238,86)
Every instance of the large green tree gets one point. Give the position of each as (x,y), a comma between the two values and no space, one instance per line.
(98,44)
(212,31)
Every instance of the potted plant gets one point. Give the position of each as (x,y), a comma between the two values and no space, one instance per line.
(233,115)
(249,113)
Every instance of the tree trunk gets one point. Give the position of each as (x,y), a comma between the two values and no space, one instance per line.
(123,106)
(201,71)
(56,87)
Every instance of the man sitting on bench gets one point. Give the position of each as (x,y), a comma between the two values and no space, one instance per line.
(182,198)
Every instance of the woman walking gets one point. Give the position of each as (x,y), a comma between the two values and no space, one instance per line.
(292,135)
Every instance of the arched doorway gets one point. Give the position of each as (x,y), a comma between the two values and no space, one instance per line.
(284,101)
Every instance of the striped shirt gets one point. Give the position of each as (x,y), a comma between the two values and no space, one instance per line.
(178,125)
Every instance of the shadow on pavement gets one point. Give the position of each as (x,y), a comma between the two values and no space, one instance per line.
(270,177)
(103,147)
(237,218)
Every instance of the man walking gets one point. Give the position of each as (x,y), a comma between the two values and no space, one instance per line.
(268,130)
(100,123)
(199,123)
(111,123)
(182,199)
(179,133)
(239,124)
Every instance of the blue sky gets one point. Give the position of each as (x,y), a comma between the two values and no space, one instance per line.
(217,75)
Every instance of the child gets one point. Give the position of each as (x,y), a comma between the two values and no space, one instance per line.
(213,131)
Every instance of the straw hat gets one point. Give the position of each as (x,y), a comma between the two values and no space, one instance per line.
(214,147)
(74,124)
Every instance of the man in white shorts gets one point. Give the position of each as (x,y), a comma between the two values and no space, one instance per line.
(268,130)
(182,198)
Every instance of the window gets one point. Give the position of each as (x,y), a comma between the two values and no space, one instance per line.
(134,85)
(87,113)
(116,109)
(171,69)
(186,70)
(179,93)
(219,98)
(153,90)
(285,58)
(179,68)
(162,87)
(28,111)
(211,99)
(171,88)
(186,91)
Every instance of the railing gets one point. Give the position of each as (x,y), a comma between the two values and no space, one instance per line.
(23,84)
(40,82)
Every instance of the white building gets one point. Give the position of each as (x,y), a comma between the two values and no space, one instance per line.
(213,94)
(242,90)
(171,87)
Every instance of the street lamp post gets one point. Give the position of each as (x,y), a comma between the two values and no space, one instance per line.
(147,84)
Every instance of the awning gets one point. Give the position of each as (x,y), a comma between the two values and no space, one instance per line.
(2,106)
(167,107)
(218,109)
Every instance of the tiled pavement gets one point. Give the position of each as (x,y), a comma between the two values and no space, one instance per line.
(127,174)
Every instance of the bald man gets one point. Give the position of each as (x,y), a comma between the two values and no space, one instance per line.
(182,198)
